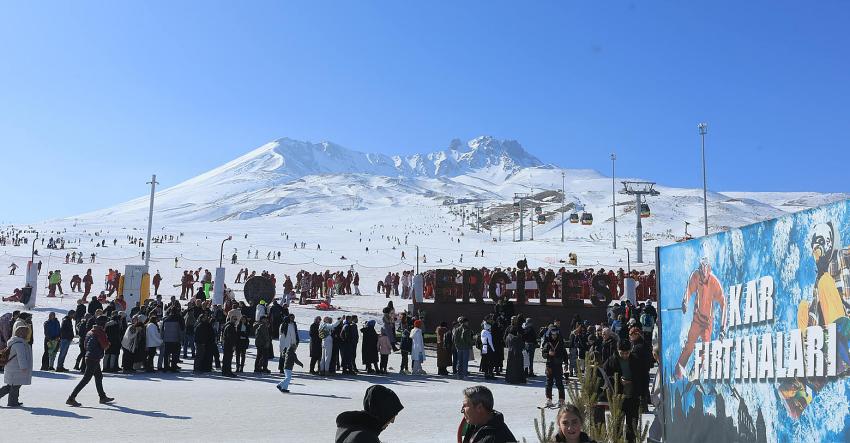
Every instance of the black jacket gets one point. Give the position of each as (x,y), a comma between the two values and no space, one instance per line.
(380,405)
(639,370)
(315,341)
(94,305)
(66,331)
(369,345)
(204,333)
(80,312)
(114,333)
(494,431)
(230,336)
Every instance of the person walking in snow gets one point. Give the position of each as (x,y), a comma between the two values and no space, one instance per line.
(289,339)
(18,369)
(96,344)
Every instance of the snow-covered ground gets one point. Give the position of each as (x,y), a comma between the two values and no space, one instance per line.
(153,407)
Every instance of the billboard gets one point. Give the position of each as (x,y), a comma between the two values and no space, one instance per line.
(755,329)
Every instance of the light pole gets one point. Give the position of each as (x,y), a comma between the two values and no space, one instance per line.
(531,221)
(221,253)
(32,254)
(153,184)
(563,199)
(628,262)
(703,129)
(614,198)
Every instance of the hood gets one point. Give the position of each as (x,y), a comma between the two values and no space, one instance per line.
(14,340)
(355,421)
(381,403)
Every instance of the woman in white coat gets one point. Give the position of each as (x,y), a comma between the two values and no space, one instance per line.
(18,369)
(417,352)
(153,340)
(487,351)
(327,345)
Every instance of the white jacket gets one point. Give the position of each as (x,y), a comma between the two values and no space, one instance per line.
(486,339)
(18,370)
(260,312)
(288,340)
(152,337)
(418,345)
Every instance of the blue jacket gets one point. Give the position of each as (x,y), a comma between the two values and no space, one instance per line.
(51,329)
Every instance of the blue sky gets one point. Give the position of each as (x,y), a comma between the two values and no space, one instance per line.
(96,96)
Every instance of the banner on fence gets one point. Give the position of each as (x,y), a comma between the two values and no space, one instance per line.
(755,331)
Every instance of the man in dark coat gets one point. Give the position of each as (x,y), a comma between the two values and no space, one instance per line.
(114,332)
(633,374)
(485,424)
(229,338)
(315,344)
(204,341)
(94,305)
(380,407)
(275,318)
(555,355)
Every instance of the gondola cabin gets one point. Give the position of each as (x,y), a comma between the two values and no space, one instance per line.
(587,218)
(541,219)
(573,218)
(644,210)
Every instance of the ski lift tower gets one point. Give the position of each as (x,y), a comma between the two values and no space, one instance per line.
(639,189)
(519,199)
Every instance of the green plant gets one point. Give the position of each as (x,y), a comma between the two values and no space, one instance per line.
(545,430)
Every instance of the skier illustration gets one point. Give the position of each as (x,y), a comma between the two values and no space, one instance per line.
(708,291)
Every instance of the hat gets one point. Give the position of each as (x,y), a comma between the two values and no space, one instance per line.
(262,302)
(381,403)
(624,345)
(417,324)
(460,319)
(101,321)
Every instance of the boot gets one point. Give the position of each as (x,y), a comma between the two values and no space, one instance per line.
(105,400)
(72,402)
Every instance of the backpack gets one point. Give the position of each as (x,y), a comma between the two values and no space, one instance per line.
(4,355)
(478,343)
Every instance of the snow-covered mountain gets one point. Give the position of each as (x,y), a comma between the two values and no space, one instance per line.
(287,177)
